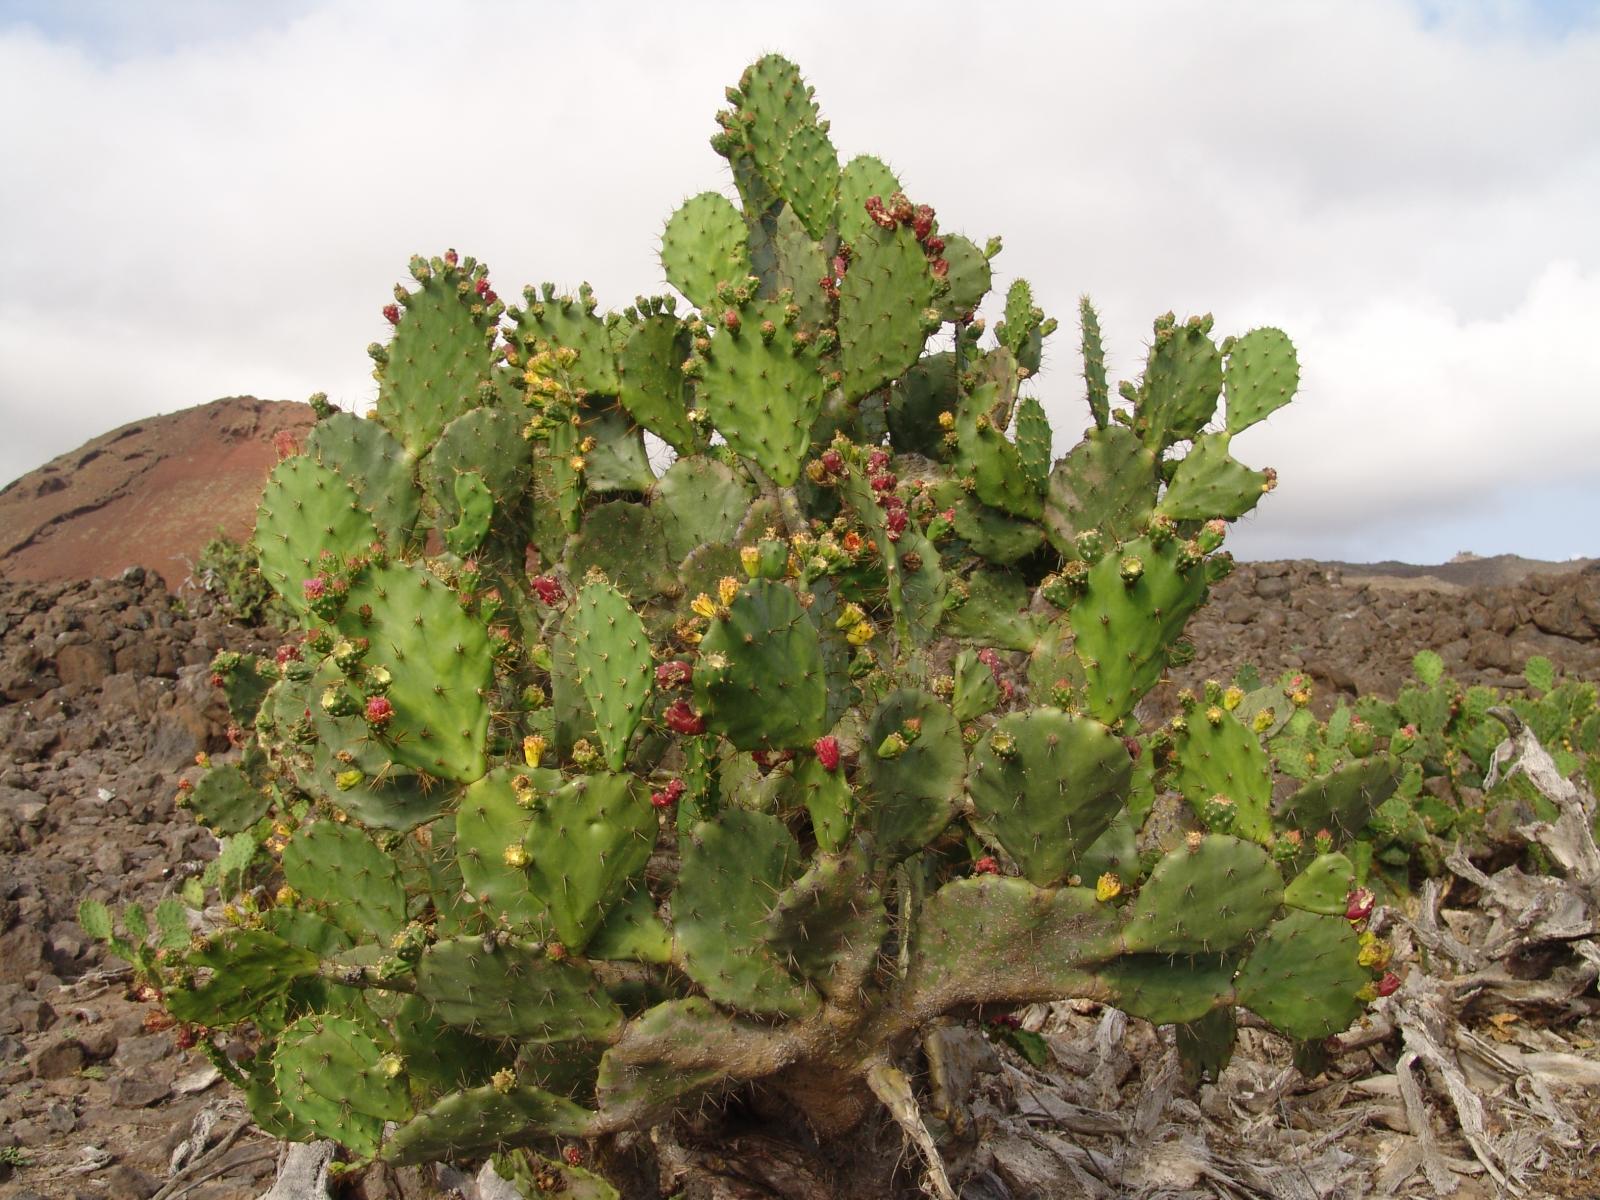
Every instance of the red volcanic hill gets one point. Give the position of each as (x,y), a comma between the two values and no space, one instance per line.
(149,494)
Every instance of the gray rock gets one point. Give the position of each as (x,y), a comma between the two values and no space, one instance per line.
(59,1059)
(138,1091)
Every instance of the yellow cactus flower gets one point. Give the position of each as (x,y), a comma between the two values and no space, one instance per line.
(750,560)
(1107,887)
(703,606)
(860,633)
(728,587)
(533,747)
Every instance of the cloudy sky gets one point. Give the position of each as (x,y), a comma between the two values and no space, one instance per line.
(203,198)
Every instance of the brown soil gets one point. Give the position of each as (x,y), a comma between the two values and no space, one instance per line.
(149,494)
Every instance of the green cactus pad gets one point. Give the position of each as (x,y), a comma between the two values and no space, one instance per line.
(701,501)
(1167,989)
(305,510)
(969,277)
(375,464)
(1218,756)
(829,923)
(586,842)
(1033,442)
(343,868)
(1182,380)
(226,802)
(1343,801)
(479,1120)
(992,613)
(703,248)
(883,309)
(799,266)
(1323,887)
(1053,792)
(1212,483)
(1115,851)
(1303,976)
(829,800)
(619,461)
(771,693)
(976,690)
(334,1077)
(733,869)
(1106,483)
(632,930)
(492,825)
(705,566)
(439,1057)
(487,443)
(1205,1046)
(762,385)
(916,400)
(624,540)
(442,351)
(862,177)
(806,175)
(1263,373)
(679,1049)
(564,322)
(1125,631)
(475,508)
(438,658)
(1203,900)
(913,795)
(993,535)
(992,461)
(506,988)
(1094,365)
(612,654)
(250,973)
(994,939)
(775,104)
(653,387)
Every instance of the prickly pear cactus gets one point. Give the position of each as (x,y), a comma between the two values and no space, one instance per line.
(590,788)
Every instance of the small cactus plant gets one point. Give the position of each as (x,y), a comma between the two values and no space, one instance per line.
(594,788)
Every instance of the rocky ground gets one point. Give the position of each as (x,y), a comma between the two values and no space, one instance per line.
(104,700)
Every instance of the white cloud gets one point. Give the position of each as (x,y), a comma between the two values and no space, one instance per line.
(201,210)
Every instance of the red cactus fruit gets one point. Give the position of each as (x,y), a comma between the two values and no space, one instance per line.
(730,320)
(285,444)
(682,718)
(987,865)
(315,588)
(878,213)
(669,795)
(832,462)
(885,481)
(900,208)
(547,588)
(287,654)
(673,674)
(482,286)
(1358,904)
(877,461)
(1389,984)
(391,313)
(933,247)
(827,748)
(922,222)
(940,268)
(572,1155)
